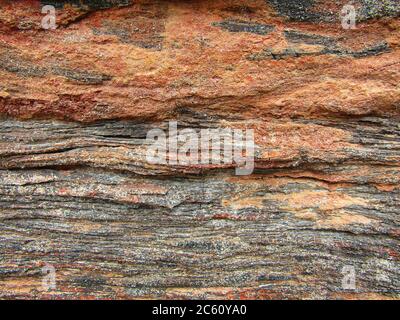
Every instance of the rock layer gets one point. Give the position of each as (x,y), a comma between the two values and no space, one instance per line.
(78,192)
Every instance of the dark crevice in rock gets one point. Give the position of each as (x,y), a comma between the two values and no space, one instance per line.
(243,26)
(88,4)
(14,63)
(329,46)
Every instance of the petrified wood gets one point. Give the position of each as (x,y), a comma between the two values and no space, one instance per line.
(78,193)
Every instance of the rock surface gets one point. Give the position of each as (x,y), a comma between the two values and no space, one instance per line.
(78,193)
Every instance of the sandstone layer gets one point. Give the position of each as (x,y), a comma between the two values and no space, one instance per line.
(78,193)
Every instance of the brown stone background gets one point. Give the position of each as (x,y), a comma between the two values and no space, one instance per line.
(77,191)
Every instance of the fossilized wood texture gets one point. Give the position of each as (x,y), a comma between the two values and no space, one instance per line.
(77,191)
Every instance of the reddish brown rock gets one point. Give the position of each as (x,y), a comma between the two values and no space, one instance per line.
(78,192)
(148,59)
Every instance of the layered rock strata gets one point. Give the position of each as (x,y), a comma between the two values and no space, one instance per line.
(78,192)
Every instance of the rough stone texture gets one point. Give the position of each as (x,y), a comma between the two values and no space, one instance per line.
(77,191)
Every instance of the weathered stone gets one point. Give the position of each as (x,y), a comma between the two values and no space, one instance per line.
(78,192)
